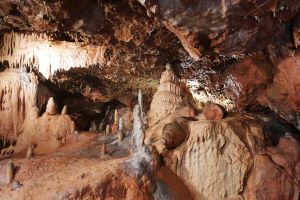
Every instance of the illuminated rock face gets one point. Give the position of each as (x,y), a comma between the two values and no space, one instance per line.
(21,100)
(38,50)
(216,158)
(51,107)
(169,97)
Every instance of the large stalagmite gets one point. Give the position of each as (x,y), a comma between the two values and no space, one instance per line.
(169,97)
(215,157)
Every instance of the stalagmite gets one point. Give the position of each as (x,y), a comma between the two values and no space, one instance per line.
(10,172)
(64,110)
(121,130)
(168,97)
(93,126)
(51,108)
(101,126)
(103,149)
(107,130)
(116,121)
(30,151)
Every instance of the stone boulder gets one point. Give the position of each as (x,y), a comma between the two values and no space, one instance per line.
(217,156)
(213,111)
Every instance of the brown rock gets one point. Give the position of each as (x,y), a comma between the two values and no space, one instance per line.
(213,111)
(283,96)
(67,177)
(247,79)
(268,181)
(173,135)
(296,30)
(210,25)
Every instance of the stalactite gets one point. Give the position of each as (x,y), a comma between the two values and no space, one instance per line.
(40,52)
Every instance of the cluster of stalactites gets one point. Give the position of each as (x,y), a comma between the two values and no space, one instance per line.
(27,51)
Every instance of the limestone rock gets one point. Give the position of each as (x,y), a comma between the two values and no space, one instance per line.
(169,132)
(64,110)
(93,126)
(283,95)
(213,111)
(168,98)
(173,135)
(269,181)
(247,79)
(107,129)
(9,176)
(51,108)
(216,158)
(276,174)
(210,25)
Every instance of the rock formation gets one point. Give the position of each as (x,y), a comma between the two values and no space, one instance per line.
(214,156)
(93,56)
(93,126)
(168,98)
(107,129)
(64,110)
(38,50)
(21,101)
(115,127)
(121,132)
(276,174)
(10,172)
(51,107)
(296,31)
(213,111)
(30,151)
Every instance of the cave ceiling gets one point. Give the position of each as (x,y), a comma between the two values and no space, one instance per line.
(205,41)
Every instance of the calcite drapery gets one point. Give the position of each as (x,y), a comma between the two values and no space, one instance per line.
(40,51)
(22,99)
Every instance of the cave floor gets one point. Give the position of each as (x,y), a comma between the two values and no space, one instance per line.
(70,171)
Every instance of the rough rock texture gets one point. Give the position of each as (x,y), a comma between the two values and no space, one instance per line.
(163,137)
(247,79)
(22,100)
(296,31)
(213,111)
(38,50)
(168,97)
(216,158)
(73,178)
(225,27)
(283,95)
(276,175)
